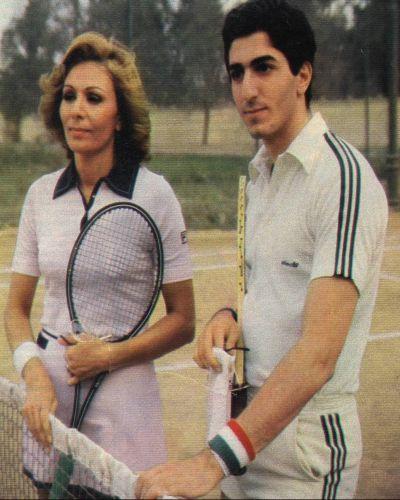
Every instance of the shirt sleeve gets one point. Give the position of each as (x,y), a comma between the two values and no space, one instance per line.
(25,259)
(349,218)
(177,261)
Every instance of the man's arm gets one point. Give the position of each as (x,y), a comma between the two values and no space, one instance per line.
(328,313)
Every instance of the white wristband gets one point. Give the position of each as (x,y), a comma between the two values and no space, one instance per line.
(23,353)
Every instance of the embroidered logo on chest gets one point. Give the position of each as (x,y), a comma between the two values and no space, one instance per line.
(289,264)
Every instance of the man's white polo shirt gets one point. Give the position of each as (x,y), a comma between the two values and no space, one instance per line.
(321,213)
(51,219)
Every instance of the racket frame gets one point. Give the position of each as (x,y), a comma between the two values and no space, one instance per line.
(239,384)
(66,461)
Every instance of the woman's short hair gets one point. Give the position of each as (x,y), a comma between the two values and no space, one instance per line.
(133,140)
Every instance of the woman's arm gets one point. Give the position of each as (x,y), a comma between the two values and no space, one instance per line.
(176,328)
(41,398)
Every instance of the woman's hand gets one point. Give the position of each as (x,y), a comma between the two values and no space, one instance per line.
(40,401)
(86,356)
(221,331)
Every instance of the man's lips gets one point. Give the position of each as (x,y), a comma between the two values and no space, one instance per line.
(254,111)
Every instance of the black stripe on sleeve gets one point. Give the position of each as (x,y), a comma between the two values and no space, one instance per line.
(357,201)
(350,188)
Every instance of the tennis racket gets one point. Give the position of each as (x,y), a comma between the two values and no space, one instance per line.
(114,277)
(239,385)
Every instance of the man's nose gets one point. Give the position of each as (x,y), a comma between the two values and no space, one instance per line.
(249,86)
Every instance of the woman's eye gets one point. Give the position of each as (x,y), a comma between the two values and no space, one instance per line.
(68,96)
(95,98)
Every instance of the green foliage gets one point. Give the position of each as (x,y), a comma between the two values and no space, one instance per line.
(206,186)
(143,25)
(197,26)
(28,48)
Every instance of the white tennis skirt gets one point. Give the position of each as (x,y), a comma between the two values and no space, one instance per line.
(124,417)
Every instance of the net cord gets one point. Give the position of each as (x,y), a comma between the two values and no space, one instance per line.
(119,478)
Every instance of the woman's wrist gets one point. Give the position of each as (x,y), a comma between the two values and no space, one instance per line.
(23,354)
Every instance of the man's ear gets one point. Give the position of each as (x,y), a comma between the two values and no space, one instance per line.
(304,77)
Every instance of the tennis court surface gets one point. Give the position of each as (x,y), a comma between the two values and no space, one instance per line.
(184,386)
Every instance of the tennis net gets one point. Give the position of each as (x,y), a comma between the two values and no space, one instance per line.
(95,470)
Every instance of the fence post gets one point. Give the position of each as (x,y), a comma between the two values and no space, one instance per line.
(392,154)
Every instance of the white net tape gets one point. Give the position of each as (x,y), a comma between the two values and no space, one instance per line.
(98,470)
(113,477)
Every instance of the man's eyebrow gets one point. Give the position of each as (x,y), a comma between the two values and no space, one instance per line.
(253,62)
(235,66)
(262,59)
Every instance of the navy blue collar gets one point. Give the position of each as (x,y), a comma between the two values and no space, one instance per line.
(121,179)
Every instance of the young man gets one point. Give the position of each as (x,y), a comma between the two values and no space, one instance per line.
(316,220)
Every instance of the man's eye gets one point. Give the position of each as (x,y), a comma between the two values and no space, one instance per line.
(236,74)
(262,67)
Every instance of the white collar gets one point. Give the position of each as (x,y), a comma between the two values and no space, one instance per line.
(303,148)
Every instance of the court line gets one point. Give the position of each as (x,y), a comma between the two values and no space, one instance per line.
(383,336)
(184,365)
(211,267)
(390,277)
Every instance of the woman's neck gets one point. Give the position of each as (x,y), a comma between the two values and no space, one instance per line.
(91,168)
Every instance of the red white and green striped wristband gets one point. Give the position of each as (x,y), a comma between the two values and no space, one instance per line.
(233,447)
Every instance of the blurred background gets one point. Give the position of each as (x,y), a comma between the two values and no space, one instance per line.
(200,145)
(198,142)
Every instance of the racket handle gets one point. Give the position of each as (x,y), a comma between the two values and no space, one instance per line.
(92,391)
(238,400)
(62,477)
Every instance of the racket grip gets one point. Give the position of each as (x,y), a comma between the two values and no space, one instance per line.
(238,400)
(62,477)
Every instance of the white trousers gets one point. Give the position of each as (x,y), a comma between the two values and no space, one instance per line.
(316,456)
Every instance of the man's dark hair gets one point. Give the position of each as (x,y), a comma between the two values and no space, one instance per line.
(287,26)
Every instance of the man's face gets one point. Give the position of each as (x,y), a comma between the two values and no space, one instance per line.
(269,98)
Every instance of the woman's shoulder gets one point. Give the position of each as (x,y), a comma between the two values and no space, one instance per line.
(150,179)
(46,182)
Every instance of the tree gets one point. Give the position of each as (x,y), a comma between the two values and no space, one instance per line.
(370,39)
(144,26)
(199,53)
(28,48)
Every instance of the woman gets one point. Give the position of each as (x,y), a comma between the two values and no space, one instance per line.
(94,104)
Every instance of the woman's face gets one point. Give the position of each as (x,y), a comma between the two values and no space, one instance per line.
(89,110)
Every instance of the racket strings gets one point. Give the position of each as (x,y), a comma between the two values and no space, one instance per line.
(115,272)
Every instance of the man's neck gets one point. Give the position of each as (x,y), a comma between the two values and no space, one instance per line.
(279,144)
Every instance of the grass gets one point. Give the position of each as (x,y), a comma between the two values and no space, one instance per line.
(205,185)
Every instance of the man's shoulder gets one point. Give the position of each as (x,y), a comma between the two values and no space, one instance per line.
(339,158)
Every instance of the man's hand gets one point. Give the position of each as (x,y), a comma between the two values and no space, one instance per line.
(86,356)
(189,478)
(221,331)
(40,401)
